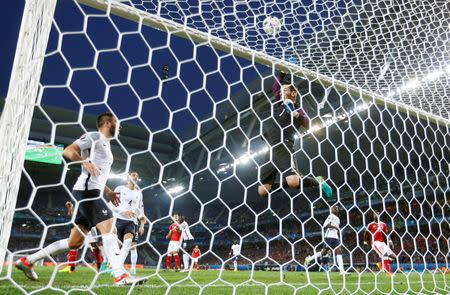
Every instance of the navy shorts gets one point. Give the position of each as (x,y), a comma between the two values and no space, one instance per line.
(124,227)
(91,212)
(331,243)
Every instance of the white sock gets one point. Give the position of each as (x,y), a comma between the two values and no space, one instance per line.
(125,249)
(235,264)
(134,257)
(186,261)
(52,249)
(340,263)
(113,254)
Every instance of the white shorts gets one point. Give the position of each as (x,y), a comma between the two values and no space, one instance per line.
(195,260)
(382,249)
(174,246)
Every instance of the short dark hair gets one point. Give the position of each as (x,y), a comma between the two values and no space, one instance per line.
(287,79)
(103,118)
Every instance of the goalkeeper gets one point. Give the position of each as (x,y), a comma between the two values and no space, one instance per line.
(279,130)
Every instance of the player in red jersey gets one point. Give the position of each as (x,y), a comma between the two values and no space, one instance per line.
(195,255)
(174,235)
(376,234)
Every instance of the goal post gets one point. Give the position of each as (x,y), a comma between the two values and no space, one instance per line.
(19,106)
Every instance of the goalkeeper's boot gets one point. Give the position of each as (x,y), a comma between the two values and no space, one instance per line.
(67,269)
(27,268)
(127,280)
(327,191)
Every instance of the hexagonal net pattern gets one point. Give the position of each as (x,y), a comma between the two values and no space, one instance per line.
(276,149)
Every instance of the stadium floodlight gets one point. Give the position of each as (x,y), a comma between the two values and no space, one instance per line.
(176,189)
(122,176)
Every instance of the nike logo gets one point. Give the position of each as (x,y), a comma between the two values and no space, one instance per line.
(117,254)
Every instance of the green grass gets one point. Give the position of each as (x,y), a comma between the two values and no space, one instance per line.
(215,282)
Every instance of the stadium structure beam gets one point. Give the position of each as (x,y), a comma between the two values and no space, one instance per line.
(197,36)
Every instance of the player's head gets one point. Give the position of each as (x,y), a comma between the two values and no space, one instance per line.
(288,88)
(176,217)
(180,218)
(107,123)
(376,215)
(335,209)
(134,177)
(196,246)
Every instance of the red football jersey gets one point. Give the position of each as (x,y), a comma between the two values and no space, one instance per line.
(195,253)
(176,235)
(378,230)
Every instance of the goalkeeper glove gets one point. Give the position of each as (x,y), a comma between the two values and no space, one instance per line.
(290,108)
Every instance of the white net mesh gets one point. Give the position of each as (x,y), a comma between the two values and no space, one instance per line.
(193,86)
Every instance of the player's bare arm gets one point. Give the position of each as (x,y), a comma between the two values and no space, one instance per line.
(113,197)
(73,153)
(69,207)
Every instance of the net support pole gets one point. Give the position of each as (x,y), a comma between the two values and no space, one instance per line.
(17,114)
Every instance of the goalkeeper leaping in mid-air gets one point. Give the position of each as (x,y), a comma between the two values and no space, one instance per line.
(279,130)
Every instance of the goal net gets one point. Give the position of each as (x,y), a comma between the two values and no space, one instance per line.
(254,131)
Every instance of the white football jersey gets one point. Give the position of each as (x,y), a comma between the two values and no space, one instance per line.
(130,200)
(236,249)
(185,231)
(95,147)
(331,232)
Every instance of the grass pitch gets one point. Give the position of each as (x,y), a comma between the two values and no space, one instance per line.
(85,281)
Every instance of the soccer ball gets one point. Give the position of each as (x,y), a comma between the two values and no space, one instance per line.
(272,25)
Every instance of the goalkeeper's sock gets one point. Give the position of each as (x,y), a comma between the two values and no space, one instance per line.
(112,252)
(52,249)
(72,256)
(308,181)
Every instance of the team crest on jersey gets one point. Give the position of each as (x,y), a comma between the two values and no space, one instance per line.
(105,212)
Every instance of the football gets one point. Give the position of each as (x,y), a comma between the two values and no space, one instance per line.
(272,25)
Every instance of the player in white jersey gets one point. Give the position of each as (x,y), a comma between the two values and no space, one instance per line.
(127,214)
(235,252)
(187,242)
(331,240)
(93,151)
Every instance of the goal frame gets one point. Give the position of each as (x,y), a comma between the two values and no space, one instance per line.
(35,29)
